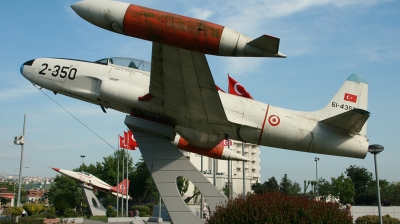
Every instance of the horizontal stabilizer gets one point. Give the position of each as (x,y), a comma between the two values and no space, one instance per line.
(350,122)
(266,43)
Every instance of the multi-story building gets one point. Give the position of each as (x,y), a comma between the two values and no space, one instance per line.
(251,168)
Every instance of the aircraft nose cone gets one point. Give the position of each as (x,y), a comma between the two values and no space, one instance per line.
(79,8)
(56,169)
(90,11)
(106,14)
(26,70)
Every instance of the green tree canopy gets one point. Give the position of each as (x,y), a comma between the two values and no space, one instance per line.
(288,187)
(362,180)
(64,201)
(183,185)
(343,188)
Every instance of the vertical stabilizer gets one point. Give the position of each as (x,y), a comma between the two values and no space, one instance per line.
(120,189)
(352,95)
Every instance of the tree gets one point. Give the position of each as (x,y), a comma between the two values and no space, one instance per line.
(182,184)
(343,188)
(324,187)
(195,196)
(64,201)
(393,193)
(272,185)
(144,186)
(288,187)
(362,180)
(306,185)
(64,184)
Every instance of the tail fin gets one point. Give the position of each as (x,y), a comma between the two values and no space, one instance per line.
(352,95)
(122,187)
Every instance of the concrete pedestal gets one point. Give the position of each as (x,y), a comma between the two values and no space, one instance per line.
(166,163)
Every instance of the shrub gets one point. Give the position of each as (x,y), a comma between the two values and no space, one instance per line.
(278,208)
(33,209)
(50,215)
(372,219)
(64,201)
(12,211)
(51,209)
(151,207)
(69,212)
(111,212)
(143,210)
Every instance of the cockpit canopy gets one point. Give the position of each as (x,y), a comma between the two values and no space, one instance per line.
(126,62)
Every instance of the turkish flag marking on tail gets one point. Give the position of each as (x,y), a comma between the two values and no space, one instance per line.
(350,97)
(236,89)
(122,189)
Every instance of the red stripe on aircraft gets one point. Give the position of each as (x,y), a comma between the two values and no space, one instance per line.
(172,29)
(262,128)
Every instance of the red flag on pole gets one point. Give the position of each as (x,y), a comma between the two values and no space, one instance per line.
(236,89)
(130,141)
(121,142)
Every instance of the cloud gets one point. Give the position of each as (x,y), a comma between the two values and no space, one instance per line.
(16,92)
(199,13)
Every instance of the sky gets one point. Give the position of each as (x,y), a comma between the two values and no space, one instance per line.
(325,41)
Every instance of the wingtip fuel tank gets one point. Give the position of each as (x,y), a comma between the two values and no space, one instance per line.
(175,30)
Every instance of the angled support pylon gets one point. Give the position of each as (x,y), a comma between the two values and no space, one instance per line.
(95,206)
(166,163)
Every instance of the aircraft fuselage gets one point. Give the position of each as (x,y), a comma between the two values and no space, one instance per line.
(124,89)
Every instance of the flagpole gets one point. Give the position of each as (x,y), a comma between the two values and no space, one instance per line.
(127,176)
(118,172)
(127,166)
(123,189)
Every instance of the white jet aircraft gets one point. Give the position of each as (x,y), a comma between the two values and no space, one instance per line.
(91,182)
(180,92)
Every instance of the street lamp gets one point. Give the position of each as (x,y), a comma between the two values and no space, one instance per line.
(375,149)
(316,174)
(82,156)
(14,180)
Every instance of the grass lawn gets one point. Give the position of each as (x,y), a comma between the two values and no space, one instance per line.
(97,218)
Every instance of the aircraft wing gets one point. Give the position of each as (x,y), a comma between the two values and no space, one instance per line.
(181,81)
(350,122)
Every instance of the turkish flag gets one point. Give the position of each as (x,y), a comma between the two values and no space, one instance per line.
(350,97)
(130,141)
(121,142)
(236,89)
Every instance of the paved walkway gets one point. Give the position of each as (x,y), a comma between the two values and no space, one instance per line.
(140,220)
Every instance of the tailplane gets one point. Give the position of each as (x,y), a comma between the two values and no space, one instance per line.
(347,110)
(121,188)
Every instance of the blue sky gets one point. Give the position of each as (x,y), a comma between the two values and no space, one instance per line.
(325,41)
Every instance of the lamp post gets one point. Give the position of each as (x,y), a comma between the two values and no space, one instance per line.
(375,149)
(316,174)
(14,179)
(82,156)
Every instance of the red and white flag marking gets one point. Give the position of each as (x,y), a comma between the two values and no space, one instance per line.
(350,97)
(236,89)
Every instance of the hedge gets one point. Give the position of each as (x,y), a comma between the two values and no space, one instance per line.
(144,211)
(374,219)
(278,208)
